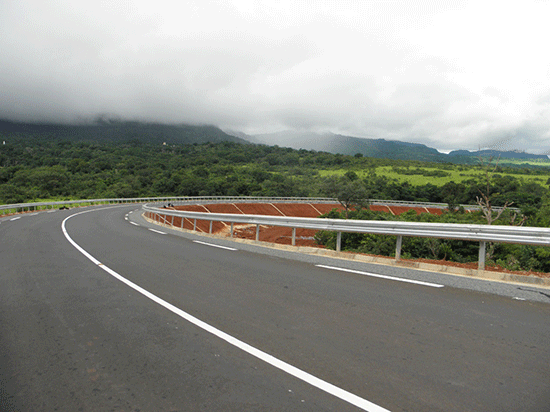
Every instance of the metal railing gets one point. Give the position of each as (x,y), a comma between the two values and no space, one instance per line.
(180,200)
(25,207)
(470,232)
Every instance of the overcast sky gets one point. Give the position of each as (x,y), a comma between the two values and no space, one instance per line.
(449,74)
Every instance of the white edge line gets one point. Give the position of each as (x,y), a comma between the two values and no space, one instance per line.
(134,223)
(286,367)
(157,231)
(374,275)
(15,218)
(213,245)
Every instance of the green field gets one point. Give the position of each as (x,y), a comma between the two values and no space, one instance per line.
(456,174)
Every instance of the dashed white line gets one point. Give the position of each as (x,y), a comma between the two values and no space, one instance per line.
(516,298)
(269,359)
(213,245)
(134,223)
(15,218)
(375,275)
(157,231)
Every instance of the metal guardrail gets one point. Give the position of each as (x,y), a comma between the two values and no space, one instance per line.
(479,233)
(23,207)
(180,200)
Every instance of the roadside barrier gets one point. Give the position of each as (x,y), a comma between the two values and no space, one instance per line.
(476,233)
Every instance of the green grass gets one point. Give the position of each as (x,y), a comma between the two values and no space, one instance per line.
(457,175)
(521,162)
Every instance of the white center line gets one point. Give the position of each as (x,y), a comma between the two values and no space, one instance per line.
(374,275)
(157,231)
(270,359)
(213,245)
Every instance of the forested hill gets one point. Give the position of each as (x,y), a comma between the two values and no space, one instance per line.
(348,145)
(513,154)
(118,131)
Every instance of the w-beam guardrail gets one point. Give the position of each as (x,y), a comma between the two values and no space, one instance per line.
(27,207)
(476,233)
(24,207)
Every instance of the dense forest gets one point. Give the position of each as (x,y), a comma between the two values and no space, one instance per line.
(50,168)
(38,168)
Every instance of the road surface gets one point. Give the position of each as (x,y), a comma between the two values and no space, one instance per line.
(135,317)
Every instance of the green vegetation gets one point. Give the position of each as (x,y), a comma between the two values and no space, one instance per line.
(443,173)
(35,168)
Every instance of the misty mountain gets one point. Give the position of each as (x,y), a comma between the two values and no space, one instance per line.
(513,154)
(348,145)
(119,131)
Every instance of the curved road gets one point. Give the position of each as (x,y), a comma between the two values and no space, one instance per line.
(134,319)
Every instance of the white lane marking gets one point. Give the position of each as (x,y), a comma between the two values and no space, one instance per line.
(15,218)
(374,275)
(213,245)
(134,223)
(52,211)
(516,298)
(157,231)
(269,359)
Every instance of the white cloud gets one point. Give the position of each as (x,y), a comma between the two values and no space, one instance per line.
(448,74)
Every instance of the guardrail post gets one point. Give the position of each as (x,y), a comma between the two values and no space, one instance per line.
(257,233)
(398,245)
(210,230)
(231,230)
(481,260)
(293,236)
(194,225)
(338,241)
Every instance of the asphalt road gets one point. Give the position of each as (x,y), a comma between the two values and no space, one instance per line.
(280,332)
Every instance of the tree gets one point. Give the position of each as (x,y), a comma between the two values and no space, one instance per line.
(485,201)
(350,193)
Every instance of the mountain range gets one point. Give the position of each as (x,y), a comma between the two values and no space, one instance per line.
(120,132)
(380,148)
(106,130)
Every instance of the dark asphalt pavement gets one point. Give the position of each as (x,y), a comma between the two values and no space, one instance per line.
(75,338)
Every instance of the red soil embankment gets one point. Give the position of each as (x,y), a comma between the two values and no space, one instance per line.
(274,234)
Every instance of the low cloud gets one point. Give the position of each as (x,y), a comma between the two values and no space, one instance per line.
(449,75)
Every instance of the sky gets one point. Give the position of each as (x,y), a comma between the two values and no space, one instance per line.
(448,74)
